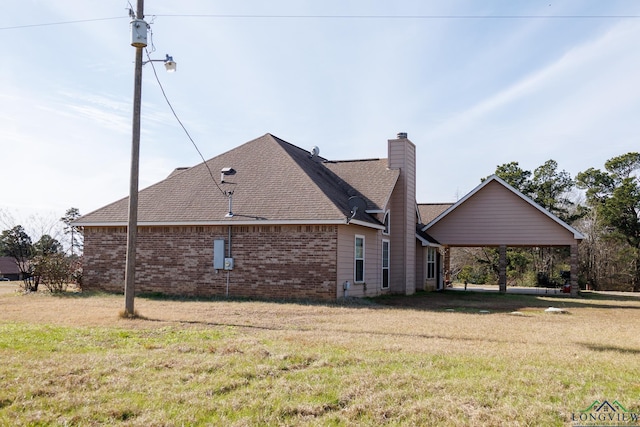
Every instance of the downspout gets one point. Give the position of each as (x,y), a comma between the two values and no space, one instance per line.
(379,253)
(228,256)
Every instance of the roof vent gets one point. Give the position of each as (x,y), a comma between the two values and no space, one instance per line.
(314,151)
(402,135)
(225,172)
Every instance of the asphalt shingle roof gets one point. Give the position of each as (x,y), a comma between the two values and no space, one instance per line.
(275,181)
(430,211)
(8,266)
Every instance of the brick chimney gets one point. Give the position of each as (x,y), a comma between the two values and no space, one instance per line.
(402,156)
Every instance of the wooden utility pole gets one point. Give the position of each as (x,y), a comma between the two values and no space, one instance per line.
(132,227)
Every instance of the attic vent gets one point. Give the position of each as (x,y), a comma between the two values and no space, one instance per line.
(402,135)
(314,151)
(177,170)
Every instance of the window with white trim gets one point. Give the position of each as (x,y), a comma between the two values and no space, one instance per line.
(385,264)
(431,262)
(358,275)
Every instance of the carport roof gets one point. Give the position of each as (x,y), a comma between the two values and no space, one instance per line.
(496,213)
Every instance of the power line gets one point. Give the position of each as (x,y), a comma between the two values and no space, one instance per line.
(400,16)
(181,124)
(362,17)
(47,24)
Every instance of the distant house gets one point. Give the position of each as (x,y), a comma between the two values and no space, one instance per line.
(283,223)
(9,269)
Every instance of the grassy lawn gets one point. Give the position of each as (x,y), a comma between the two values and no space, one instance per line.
(429,359)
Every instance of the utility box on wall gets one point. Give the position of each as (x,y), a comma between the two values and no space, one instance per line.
(218,254)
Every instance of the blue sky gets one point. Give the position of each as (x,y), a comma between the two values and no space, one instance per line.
(474,84)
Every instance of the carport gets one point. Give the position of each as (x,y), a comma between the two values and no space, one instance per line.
(495,214)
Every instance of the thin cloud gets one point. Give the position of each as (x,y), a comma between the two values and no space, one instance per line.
(560,72)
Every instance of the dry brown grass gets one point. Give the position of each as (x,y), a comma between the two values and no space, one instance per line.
(396,361)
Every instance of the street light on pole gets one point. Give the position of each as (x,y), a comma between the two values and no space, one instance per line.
(139,30)
(169,64)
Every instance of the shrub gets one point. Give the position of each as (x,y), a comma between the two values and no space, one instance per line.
(53,271)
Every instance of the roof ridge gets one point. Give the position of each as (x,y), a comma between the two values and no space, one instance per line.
(322,192)
(302,150)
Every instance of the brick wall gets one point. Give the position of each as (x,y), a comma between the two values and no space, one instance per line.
(269,261)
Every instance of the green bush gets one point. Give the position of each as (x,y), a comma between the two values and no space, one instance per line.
(53,271)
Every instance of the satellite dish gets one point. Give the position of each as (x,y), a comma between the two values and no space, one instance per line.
(315,151)
(356,204)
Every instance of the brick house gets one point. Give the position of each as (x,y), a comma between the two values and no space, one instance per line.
(282,223)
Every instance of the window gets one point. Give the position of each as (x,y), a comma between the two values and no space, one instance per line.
(359,260)
(431,263)
(385,264)
(386,223)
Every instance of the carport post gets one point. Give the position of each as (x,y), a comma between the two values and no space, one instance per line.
(447,266)
(502,269)
(575,288)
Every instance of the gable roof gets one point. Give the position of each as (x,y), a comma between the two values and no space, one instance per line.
(276,182)
(509,220)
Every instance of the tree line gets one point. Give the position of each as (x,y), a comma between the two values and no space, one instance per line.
(46,262)
(603,204)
